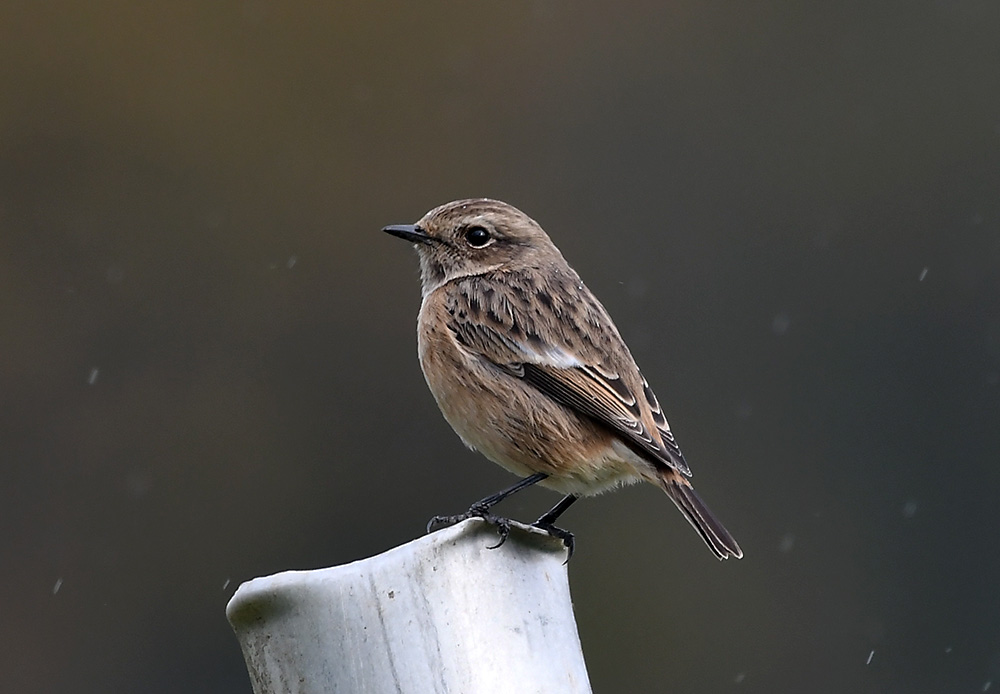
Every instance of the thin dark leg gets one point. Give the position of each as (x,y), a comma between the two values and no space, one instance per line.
(547,523)
(481,509)
(550,517)
(494,499)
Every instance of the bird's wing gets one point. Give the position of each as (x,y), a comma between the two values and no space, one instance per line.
(567,360)
(663,428)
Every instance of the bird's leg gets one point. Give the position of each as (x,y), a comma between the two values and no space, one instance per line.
(481,509)
(547,521)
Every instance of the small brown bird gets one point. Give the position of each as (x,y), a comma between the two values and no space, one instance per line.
(529,369)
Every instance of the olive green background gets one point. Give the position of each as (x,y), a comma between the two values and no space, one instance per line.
(207,358)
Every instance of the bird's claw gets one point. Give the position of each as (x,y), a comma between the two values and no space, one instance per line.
(499,522)
(568,539)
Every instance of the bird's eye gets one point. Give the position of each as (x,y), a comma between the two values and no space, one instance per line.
(477,237)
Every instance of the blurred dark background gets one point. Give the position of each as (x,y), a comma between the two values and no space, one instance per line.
(207,352)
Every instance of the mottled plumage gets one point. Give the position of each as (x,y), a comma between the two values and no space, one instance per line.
(529,369)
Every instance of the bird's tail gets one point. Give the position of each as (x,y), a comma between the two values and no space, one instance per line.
(694,509)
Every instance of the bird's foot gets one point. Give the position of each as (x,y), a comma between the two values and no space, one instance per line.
(566,536)
(476,511)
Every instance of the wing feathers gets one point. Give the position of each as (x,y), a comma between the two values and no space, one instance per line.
(510,336)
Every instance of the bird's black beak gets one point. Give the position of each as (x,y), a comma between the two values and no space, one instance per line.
(408,232)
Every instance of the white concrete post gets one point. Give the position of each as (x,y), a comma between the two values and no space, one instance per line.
(440,614)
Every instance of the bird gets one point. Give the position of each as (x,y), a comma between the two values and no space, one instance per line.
(529,369)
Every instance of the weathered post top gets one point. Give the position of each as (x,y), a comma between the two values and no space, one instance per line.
(440,614)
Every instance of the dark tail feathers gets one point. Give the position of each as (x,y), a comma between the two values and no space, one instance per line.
(694,509)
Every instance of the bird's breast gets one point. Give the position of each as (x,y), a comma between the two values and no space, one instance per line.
(512,423)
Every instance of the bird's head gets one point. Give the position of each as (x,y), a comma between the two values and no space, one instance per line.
(473,237)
